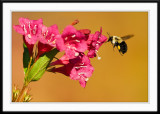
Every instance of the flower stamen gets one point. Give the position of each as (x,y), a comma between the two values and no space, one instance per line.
(29,28)
(76,54)
(98,42)
(66,38)
(54,41)
(25,29)
(98,55)
(34,29)
(29,35)
(73,36)
(77,40)
(81,64)
(81,73)
(86,79)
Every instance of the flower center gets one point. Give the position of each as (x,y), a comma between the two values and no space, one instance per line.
(50,38)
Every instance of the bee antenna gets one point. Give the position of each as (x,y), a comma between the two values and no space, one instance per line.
(108,34)
(108,38)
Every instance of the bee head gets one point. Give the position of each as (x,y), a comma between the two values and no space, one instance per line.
(110,38)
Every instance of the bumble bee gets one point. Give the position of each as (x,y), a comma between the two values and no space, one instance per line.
(119,43)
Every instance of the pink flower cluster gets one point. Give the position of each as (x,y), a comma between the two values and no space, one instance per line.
(74,42)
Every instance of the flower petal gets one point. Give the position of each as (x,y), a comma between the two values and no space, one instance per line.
(82,46)
(42,48)
(39,21)
(60,43)
(53,29)
(23,21)
(91,54)
(71,53)
(74,75)
(19,29)
(102,39)
(61,70)
(82,82)
(85,31)
(68,31)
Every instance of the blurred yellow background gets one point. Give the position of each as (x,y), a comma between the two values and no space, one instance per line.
(116,78)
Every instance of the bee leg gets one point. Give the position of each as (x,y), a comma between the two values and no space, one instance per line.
(113,47)
(120,53)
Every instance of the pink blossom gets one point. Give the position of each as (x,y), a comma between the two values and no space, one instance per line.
(82,70)
(78,68)
(34,30)
(94,42)
(73,42)
(47,38)
(30,29)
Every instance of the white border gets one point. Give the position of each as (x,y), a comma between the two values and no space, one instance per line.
(82,106)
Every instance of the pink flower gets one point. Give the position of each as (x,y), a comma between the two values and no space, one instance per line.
(34,30)
(94,42)
(73,42)
(47,38)
(30,29)
(78,68)
(82,70)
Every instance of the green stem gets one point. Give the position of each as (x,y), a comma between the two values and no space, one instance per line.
(29,66)
(22,93)
(25,86)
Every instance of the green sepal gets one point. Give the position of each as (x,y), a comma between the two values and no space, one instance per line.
(26,58)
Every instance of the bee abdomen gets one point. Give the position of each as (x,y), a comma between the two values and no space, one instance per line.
(123,47)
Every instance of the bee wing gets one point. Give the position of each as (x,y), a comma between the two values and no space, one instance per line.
(127,37)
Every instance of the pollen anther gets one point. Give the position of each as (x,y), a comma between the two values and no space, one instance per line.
(73,36)
(29,35)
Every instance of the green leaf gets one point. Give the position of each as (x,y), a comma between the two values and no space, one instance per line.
(26,58)
(41,65)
